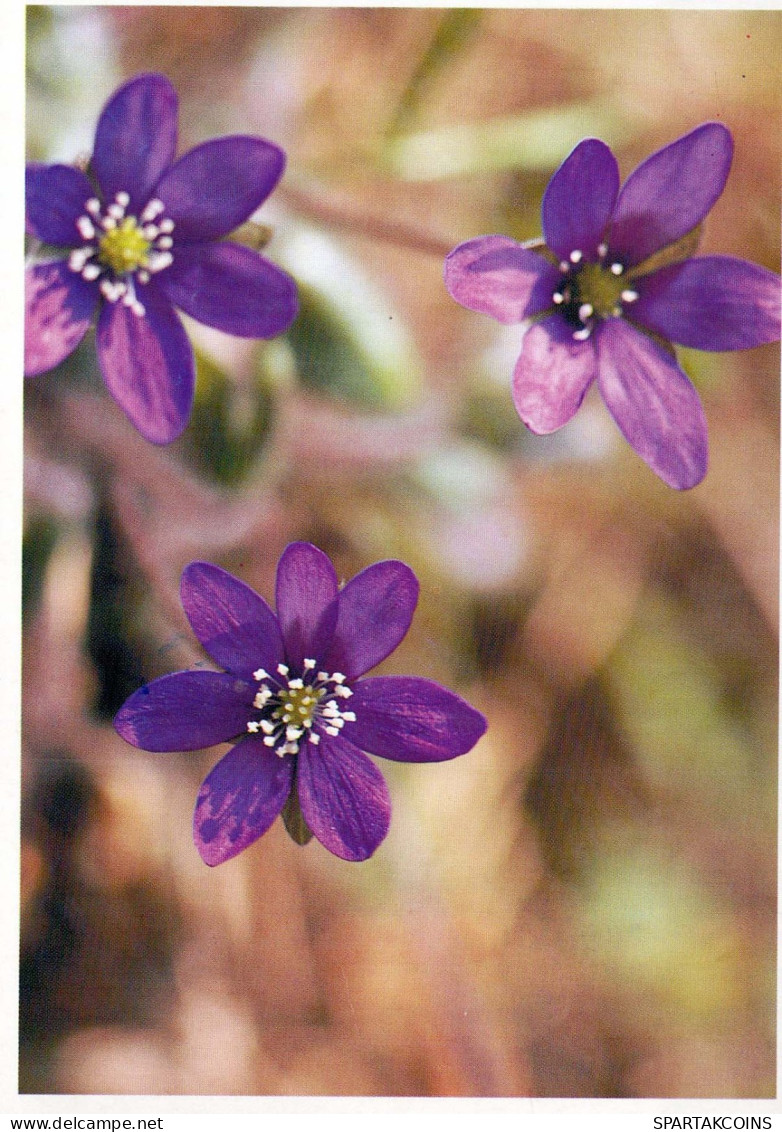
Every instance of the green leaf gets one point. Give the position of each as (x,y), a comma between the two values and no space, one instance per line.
(229,424)
(456,28)
(346,340)
(294,819)
(530,142)
(38,543)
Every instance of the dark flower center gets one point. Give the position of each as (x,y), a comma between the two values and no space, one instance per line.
(122,251)
(292,712)
(590,292)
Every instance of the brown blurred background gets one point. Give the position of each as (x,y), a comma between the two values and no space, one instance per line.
(583,906)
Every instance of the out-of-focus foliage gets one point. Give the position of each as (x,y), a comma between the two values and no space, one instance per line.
(585,904)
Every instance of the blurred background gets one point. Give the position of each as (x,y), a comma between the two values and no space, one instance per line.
(584,905)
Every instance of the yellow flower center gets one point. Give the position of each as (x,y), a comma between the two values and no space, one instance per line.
(124,248)
(297,705)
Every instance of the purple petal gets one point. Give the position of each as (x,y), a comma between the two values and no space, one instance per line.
(306,610)
(233,623)
(185,711)
(579,199)
(552,375)
(135,140)
(711,303)
(59,307)
(343,797)
(239,800)
(670,192)
(653,402)
(231,288)
(409,719)
(147,364)
(55,196)
(374,612)
(215,187)
(496,276)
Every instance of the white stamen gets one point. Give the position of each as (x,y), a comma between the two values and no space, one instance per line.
(349,716)
(583,334)
(629,296)
(558,297)
(294,732)
(283,669)
(616,269)
(252,726)
(167,225)
(308,663)
(150,232)
(86,227)
(331,730)
(116,210)
(122,199)
(268,727)
(260,674)
(602,250)
(343,691)
(585,311)
(576,256)
(158,260)
(564,265)
(153,209)
(314,738)
(108,223)
(165,242)
(297,683)
(112,291)
(323,677)
(93,206)
(269,741)
(79,257)
(91,271)
(138,308)
(143,276)
(338,677)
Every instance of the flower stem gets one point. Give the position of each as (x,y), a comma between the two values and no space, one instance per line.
(342,213)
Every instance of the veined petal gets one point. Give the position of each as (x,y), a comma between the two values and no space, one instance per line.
(670,192)
(409,719)
(343,797)
(218,185)
(374,612)
(711,303)
(653,402)
(185,711)
(579,199)
(147,364)
(495,275)
(306,610)
(552,374)
(55,196)
(239,799)
(233,623)
(231,288)
(59,307)
(135,140)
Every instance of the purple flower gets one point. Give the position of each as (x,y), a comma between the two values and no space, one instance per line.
(293,693)
(602,311)
(146,236)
